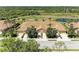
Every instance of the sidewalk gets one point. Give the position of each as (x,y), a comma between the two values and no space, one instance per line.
(64,37)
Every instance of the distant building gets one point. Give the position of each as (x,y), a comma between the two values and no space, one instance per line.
(4,25)
(75,24)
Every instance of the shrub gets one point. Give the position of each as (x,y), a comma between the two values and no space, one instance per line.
(16,45)
(60,45)
(46,49)
(32,46)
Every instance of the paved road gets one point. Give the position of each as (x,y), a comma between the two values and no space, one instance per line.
(50,44)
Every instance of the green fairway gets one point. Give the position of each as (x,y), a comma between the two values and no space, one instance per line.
(53,16)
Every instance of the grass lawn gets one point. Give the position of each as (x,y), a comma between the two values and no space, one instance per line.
(53,16)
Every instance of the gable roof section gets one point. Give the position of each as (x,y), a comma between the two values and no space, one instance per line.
(4,25)
(41,24)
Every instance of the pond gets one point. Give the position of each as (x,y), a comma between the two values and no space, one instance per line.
(64,20)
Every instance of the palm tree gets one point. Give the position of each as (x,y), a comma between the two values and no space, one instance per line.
(32,32)
(51,32)
(71,31)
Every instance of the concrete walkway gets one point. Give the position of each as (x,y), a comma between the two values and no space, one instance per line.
(51,44)
(64,37)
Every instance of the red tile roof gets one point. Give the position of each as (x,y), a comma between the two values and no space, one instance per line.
(4,25)
(41,24)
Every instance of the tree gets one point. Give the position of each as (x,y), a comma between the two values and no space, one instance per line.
(13,45)
(32,46)
(32,32)
(10,33)
(16,45)
(51,32)
(71,31)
